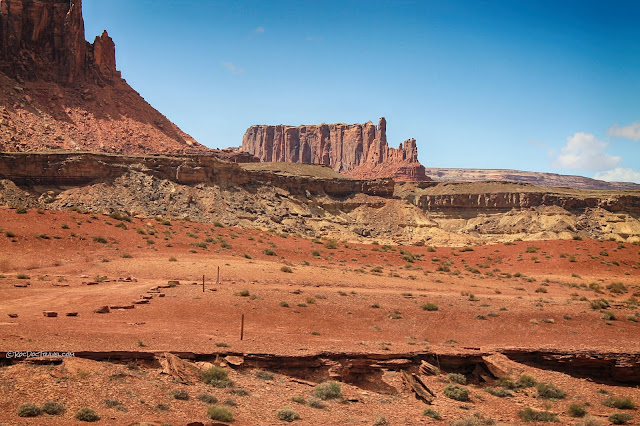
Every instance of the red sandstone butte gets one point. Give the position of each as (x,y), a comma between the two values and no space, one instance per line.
(357,150)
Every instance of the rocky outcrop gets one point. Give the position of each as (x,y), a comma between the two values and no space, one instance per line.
(534,178)
(45,39)
(358,150)
(57,91)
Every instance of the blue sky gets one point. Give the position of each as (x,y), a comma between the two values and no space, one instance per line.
(532,85)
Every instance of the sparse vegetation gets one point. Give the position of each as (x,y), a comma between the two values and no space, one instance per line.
(287,415)
(459,393)
(29,410)
(457,378)
(429,306)
(577,410)
(328,390)
(549,391)
(216,377)
(87,415)
(207,398)
(531,415)
(619,403)
(432,413)
(221,414)
(620,418)
(180,394)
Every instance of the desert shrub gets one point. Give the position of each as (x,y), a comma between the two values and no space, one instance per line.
(549,391)
(331,244)
(577,410)
(29,410)
(100,239)
(298,399)
(328,390)
(499,392)
(617,288)
(395,315)
(531,415)
(590,421)
(216,377)
(54,408)
(120,216)
(243,293)
(180,394)
(430,306)
(459,393)
(21,210)
(22,276)
(316,403)
(457,378)
(531,249)
(380,421)
(284,304)
(526,381)
(476,420)
(220,414)
(599,304)
(87,415)
(608,316)
(286,269)
(463,249)
(126,256)
(431,413)
(240,392)
(619,403)
(207,398)
(269,252)
(620,418)
(287,415)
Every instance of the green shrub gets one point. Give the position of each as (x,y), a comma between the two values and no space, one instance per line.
(180,394)
(298,399)
(430,306)
(216,377)
(120,216)
(549,391)
(608,316)
(87,415)
(459,393)
(269,252)
(526,381)
(431,413)
(287,415)
(599,304)
(577,410)
(29,410)
(207,398)
(286,269)
(243,293)
(380,421)
(328,390)
(331,244)
(100,239)
(316,403)
(476,420)
(21,210)
(499,392)
(620,418)
(619,403)
(23,276)
(53,408)
(457,378)
(617,288)
(220,414)
(531,415)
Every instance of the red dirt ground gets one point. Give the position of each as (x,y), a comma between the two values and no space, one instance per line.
(531,294)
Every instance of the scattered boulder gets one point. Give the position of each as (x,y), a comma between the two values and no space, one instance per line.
(13,315)
(72,314)
(141,302)
(102,310)
(122,306)
(50,314)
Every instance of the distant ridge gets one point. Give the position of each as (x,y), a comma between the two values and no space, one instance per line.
(535,178)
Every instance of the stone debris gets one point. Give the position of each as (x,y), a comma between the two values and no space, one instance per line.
(50,314)
(102,310)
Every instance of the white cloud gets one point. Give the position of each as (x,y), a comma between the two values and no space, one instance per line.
(619,175)
(259,30)
(632,131)
(232,68)
(585,152)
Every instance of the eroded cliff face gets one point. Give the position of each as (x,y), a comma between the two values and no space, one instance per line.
(358,150)
(58,91)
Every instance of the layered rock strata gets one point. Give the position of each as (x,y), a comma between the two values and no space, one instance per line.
(358,150)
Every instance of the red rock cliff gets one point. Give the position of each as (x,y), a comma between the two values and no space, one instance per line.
(58,91)
(45,39)
(358,150)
